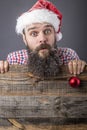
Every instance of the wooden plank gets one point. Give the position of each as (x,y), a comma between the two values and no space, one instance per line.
(23,95)
(43,107)
(21,83)
(46,127)
(45,87)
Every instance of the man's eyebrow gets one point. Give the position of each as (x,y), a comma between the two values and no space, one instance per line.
(31,28)
(48,25)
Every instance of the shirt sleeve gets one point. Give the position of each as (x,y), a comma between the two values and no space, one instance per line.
(18,57)
(66,55)
(72,54)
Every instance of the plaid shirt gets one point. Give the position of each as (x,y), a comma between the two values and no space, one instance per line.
(21,56)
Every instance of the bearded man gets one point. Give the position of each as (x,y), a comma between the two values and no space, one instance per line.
(40,28)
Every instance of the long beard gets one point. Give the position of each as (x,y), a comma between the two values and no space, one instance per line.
(44,67)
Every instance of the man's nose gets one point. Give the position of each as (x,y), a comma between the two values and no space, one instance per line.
(42,38)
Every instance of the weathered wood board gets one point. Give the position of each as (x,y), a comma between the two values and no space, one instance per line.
(22,95)
(36,127)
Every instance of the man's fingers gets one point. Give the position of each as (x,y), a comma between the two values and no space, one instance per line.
(83,65)
(73,67)
(1,66)
(6,66)
(76,66)
(79,64)
(70,66)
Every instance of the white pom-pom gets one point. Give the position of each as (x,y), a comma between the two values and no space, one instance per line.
(58,36)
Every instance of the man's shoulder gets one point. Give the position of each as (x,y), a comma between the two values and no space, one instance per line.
(20,57)
(23,51)
(66,51)
(66,54)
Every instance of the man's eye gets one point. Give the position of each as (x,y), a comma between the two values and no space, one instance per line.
(47,31)
(34,34)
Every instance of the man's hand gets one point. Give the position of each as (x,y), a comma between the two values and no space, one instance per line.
(76,66)
(4,66)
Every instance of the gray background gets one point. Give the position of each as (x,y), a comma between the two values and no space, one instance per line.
(74,26)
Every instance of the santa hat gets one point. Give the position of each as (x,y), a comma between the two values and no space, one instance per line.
(42,11)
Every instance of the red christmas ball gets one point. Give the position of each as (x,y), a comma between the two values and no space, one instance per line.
(74,82)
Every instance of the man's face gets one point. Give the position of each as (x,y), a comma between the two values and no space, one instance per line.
(40,37)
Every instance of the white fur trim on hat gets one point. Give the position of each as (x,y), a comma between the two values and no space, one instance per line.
(37,16)
(58,36)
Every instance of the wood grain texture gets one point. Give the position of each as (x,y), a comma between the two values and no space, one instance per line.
(43,107)
(39,127)
(23,95)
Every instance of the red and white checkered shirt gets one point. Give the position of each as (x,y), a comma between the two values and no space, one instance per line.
(21,57)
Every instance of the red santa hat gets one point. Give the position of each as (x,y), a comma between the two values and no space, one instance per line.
(42,11)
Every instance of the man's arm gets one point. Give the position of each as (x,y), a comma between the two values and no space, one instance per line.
(75,65)
(17,57)
(70,57)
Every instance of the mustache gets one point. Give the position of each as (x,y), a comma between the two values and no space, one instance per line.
(43,46)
